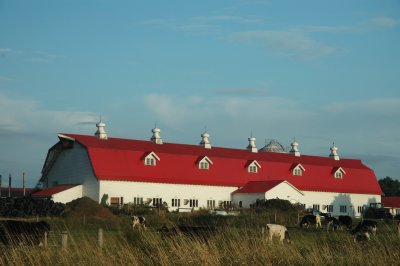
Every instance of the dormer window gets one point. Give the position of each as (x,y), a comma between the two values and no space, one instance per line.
(338,172)
(298,169)
(204,163)
(151,159)
(253,166)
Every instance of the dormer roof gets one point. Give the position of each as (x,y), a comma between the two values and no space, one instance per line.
(150,153)
(297,165)
(338,168)
(252,162)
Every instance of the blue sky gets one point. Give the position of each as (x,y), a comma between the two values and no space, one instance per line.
(318,71)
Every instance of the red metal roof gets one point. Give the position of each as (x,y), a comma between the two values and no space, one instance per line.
(393,202)
(53,190)
(120,159)
(258,186)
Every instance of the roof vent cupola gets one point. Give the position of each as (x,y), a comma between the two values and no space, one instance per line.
(156,138)
(295,149)
(100,132)
(252,144)
(334,153)
(205,141)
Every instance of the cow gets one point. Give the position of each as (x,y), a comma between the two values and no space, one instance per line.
(345,221)
(341,222)
(331,221)
(14,232)
(166,232)
(277,230)
(138,221)
(362,237)
(368,226)
(311,219)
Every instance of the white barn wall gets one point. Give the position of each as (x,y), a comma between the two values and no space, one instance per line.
(247,198)
(69,194)
(74,167)
(338,199)
(281,191)
(129,190)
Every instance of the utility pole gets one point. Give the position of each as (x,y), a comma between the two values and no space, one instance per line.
(0,186)
(23,182)
(9,186)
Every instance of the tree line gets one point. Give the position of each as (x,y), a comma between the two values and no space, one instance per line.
(390,187)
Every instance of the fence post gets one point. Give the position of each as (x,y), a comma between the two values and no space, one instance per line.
(64,240)
(275,218)
(100,237)
(398,228)
(45,240)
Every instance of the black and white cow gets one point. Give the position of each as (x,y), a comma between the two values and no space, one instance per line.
(311,219)
(138,221)
(345,221)
(368,226)
(20,232)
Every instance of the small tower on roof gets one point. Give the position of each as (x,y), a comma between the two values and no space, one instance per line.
(252,144)
(156,138)
(295,149)
(334,153)
(205,141)
(100,132)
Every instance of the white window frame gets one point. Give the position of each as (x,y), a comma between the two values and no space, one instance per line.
(151,159)
(298,170)
(253,167)
(204,163)
(339,173)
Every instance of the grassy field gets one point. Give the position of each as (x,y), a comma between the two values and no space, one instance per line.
(238,241)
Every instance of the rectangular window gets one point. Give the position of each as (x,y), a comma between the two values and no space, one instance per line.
(157,202)
(210,204)
(115,201)
(360,209)
(194,203)
(137,201)
(316,207)
(343,208)
(252,169)
(297,171)
(204,165)
(150,161)
(176,202)
(226,204)
(329,208)
(338,175)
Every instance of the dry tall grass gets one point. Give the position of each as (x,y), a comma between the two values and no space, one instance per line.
(232,245)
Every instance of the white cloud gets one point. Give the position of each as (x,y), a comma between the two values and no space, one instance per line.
(367,127)
(26,116)
(4,78)
(382,22)
(290,43)
(44,57)
(9,51)
(227,18)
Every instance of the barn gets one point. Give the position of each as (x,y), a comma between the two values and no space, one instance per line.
(184,176)
(392,204)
